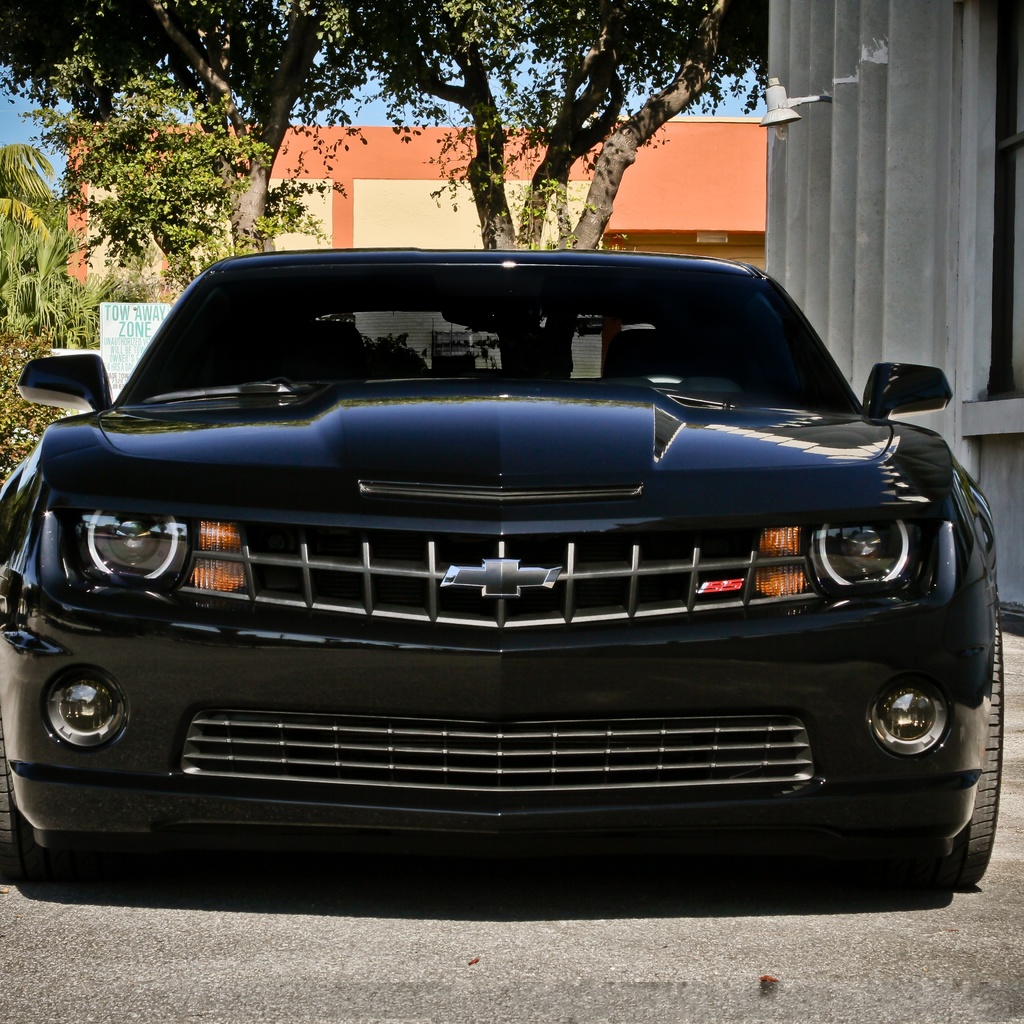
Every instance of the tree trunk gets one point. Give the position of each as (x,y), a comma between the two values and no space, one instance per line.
(590,108)
(248,207)
(486,175)
(547,190)
(535,211)
(618,153)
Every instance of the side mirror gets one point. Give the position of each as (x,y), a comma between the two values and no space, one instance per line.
(76,382)
(905,387)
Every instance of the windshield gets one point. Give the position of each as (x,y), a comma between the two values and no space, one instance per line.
(728,339)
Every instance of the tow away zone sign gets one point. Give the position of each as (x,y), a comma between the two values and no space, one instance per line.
(126,328)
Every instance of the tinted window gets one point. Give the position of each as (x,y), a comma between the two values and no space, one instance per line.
(714,336)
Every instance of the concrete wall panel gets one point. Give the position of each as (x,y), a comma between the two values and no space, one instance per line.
(900,171)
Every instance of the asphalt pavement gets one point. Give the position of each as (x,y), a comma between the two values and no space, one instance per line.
(634,940)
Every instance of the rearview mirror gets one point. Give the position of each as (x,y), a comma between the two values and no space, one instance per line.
(905,387)
(77,382)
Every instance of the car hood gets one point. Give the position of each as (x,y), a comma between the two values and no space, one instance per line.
(492,450)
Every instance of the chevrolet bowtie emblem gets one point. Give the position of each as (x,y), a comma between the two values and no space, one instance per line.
(500,577)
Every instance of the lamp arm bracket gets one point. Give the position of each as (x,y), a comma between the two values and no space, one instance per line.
(797,100)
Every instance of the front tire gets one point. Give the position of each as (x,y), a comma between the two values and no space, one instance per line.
(21,857)
(972,848)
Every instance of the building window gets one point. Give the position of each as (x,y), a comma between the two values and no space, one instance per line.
(1007,375)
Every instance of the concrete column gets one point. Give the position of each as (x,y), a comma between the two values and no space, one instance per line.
(917,180)
(842,270)
(795,76)
(881,212)
(868,233)
(776,236)
(815,132)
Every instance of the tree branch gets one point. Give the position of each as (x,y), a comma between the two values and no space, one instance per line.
(688,82)
(619,150)
(599,66)
(214,81)
(300,51)
(432,83)
(571,136)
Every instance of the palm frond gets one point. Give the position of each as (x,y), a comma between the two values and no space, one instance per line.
(25,173)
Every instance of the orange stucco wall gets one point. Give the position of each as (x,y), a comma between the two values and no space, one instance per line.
(699,188)
(702,174)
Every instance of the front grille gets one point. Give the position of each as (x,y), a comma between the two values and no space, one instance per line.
(411,752)
(602,576)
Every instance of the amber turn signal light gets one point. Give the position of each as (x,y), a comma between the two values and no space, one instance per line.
(218,574)
(780,580)
(780,541)
(218,536)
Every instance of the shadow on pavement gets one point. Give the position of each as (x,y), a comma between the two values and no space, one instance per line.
(359,885)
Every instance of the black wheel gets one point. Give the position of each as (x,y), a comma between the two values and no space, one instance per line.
(21,857)
(972,848)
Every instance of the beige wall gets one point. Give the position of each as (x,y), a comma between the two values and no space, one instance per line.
(423,214)
(320,205)
(391,213)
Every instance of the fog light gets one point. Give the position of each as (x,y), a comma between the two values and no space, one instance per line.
(909,717)
(85,709)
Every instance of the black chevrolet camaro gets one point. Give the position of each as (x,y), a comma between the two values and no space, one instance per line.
(495,551)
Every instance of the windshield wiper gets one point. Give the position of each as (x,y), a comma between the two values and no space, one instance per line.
(279,386)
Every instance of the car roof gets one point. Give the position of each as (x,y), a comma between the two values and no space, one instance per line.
(569,258)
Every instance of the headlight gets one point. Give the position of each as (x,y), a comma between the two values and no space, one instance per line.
(864,556)
(132,548)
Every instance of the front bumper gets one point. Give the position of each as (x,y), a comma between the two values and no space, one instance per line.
(156,813)
(825,668)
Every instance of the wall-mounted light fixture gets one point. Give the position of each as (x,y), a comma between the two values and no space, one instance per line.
(780,107)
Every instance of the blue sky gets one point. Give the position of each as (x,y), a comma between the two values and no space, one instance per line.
(12,127)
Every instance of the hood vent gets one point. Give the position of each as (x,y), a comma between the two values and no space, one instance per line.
(484,495)
(666,427)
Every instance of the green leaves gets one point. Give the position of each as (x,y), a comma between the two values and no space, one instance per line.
(164,167)
(37,294)
(21,423)
(178,110)
(24,189)
(181,107)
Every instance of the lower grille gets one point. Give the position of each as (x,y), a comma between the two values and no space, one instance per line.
(512,756)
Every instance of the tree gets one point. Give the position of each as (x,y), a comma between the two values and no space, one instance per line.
(24,184)
(41,304)
(547,76)
(242,69)
(147,173)
(552,78)
(38,296)
(680,90)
